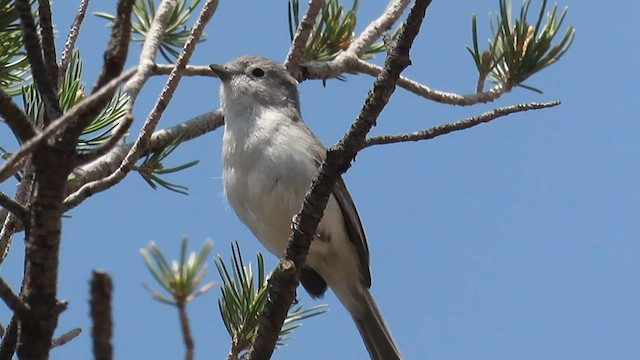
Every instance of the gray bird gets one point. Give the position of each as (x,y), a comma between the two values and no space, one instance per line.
(270,158)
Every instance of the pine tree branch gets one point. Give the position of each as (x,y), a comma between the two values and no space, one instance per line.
(101,315)
(108,164)
(48,41)
(442,97)
(376,28)
(117,50)
(346,60)
(152,120)
(458,125)
(299,43)
(114,59)
(325,70)
(16,208)
(39,70)
(62,122)
(66,337)
(187,337)
(150,47)
(11,224)
(53,162)
(189,70)
(119,134)
(70,44)
(9,340)
(12,300)
(17,120)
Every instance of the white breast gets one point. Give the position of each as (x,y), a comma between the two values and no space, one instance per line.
(266,175)
(268,169)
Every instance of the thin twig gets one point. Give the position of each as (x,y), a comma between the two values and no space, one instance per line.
(109,163)
(66,337)
(116,53)
(325,70)
(187,130)
(187,338)
(39,70)
(9,340)
(458,125)
(101,315)
(116,136)
(317,70)
(12,300)
(11,223)
(150,124)
(48,44)
(114,57)
(70,44)
(442,97)
(62,122)
(347,59)
(189,70)
(17,120)
(283,280)
(16,208)
(299,43)
(150,47)
(374,30)
(10,172)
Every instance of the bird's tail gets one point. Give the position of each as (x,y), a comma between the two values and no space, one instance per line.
(374,331)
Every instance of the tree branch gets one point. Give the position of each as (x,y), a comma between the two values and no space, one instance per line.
(39,70)
(299,43)
(66,337)
(12,300)
(284,279)
(10,222)
(101,315)
(152,42)
(114,59)
(374,30)
(325,70)
(17,120)
(142,141)
(9,340)
(48,44)
(117,50)
(119,133)
(62,122)
(187,338)
(442,97)
(330,69)
(189,70)
(458,125)
(109,163)
(70,44)
(16,208)
(346,60)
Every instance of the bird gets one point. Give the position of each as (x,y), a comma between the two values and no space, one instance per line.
(270,157)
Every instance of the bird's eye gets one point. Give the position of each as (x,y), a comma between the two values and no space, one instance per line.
(257,72)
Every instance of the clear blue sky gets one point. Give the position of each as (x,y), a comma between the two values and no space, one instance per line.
(513,240)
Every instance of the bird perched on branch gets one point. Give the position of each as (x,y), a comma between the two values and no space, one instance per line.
(270,159)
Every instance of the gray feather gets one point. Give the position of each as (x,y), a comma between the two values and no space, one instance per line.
(354,227)
(374,331)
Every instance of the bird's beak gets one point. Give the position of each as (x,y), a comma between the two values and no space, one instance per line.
(222,72)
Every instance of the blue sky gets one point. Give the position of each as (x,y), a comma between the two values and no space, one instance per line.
(513,240)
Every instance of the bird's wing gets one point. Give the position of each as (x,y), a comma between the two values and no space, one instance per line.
(354,227)
(352,222)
